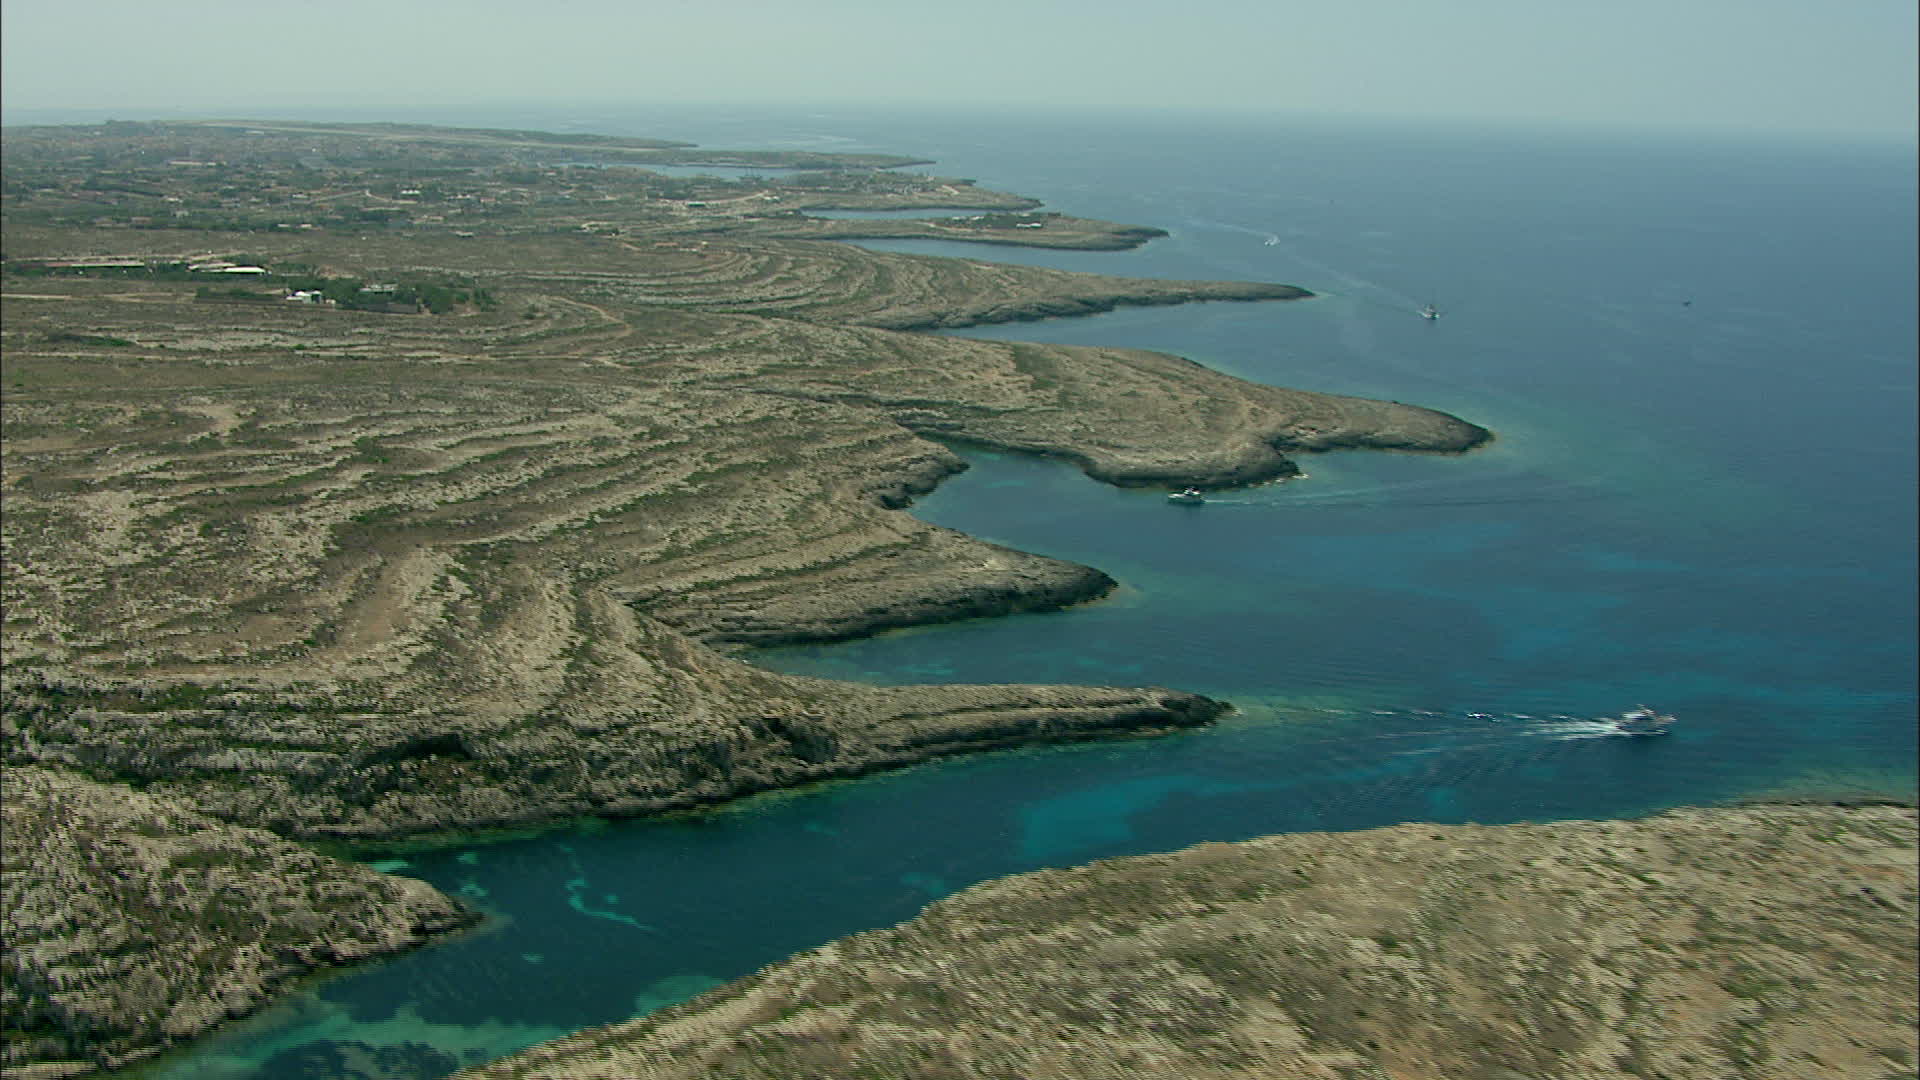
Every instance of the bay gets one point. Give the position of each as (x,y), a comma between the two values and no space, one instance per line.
(1698,357)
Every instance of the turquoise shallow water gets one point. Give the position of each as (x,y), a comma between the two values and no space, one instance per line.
(1698,357)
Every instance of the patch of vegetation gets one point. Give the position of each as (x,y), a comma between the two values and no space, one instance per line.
(67,337)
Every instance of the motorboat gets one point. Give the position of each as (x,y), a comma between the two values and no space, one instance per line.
(1429,312)
(1188,496)
(1642,720)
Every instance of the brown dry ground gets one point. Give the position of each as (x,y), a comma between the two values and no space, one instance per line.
(1761,943)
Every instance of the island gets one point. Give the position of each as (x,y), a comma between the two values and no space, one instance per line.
(369,483)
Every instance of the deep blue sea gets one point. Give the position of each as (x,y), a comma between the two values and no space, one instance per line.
(1698,355)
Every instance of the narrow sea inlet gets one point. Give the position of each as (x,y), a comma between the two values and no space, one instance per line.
(1697,358)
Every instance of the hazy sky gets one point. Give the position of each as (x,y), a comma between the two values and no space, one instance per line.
(1846,67)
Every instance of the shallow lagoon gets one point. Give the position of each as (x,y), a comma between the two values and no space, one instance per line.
(1698,359)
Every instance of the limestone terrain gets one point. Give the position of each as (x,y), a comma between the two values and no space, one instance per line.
(475,546)
(1771,942)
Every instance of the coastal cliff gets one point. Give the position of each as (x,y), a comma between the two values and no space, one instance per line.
(1769,942)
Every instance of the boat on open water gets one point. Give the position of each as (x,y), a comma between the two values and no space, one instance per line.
(1642,720)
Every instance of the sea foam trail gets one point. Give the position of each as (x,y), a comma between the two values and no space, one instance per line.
(1360,289)
(1430,492)
(1503,726)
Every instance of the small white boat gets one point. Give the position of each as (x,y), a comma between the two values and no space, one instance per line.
(1642,720)
(1429,312)
(1190,496)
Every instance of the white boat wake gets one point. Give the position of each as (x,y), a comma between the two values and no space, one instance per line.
(1568,730)
(1360,288)
(1559,727)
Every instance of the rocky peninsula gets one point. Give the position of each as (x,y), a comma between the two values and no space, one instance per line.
(366,484)
(1766,942)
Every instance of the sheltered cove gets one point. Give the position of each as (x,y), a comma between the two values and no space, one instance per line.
(366,574)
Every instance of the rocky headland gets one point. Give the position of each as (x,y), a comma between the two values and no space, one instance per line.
(361,508)
(1765,942)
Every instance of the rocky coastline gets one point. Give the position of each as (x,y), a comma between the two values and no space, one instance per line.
(361,572)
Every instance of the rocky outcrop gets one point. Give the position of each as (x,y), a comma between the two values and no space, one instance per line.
(1026,584)
(1767,942)
(134,922)
(318,765)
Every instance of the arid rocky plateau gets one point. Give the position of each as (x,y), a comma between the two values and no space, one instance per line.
(1770,942)
(368,482)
